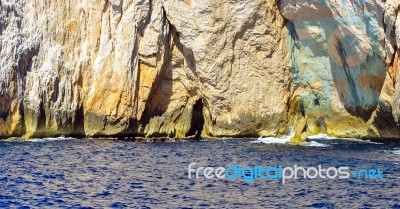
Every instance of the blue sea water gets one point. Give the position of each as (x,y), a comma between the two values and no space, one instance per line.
(86,173)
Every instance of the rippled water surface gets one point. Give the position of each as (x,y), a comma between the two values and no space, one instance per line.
(76,173)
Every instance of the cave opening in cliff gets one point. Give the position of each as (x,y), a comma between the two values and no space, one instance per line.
(197,122)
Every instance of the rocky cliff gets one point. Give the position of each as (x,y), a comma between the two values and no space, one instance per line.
(177,68)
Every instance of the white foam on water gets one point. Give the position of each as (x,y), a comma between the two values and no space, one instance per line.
(49,139)
(396,152)
(286,139)
(360,140)
(326,137)
(313,144)
(275,140)
(373,142)
(321,137)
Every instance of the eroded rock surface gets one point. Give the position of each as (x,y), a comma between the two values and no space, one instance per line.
(177,68)
(147,68)
(344,66)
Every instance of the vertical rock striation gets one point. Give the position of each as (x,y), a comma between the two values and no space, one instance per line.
(146,68)
(342,56)
(392,21)
(179,68)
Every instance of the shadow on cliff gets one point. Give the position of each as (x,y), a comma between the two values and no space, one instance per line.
(359,89)
(25,65)
(162,91)
(355,64)
(197,121)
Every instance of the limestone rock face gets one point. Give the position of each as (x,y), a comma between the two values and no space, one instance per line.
(147,68)
(177,68)
(343,74)
(392,20)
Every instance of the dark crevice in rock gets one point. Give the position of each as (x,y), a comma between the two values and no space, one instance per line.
(41,120)
(197,122)
(4,101)
(302,110)
(78,126)
(4,115)
(321,125)
(316,102)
